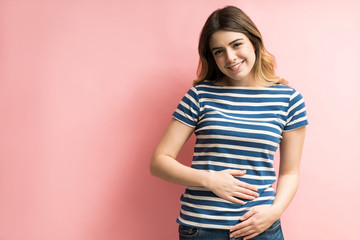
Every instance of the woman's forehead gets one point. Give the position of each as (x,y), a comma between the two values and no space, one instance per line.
(224,38)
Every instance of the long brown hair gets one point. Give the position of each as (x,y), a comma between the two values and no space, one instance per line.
(233,19)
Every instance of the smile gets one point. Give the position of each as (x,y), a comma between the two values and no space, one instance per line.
(236,66)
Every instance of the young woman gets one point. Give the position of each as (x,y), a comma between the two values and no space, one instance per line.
(240,112)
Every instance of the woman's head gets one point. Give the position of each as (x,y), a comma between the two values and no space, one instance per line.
(232,19)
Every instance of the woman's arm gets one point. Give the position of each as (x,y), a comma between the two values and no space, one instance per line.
(164,165)
(290,156)
(163,162)
(258,219)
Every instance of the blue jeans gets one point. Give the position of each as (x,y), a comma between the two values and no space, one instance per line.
(274,232)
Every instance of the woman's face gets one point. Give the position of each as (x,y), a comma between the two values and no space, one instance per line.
(235,56)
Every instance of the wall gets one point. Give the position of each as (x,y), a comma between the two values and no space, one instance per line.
(88,87)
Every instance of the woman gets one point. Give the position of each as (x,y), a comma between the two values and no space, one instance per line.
(240,112)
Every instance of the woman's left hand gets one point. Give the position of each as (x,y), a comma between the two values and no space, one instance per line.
(254,222)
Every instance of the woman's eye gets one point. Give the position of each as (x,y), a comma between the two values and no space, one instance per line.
(237,44)
(217,52)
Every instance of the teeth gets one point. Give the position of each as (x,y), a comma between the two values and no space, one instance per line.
(235,66)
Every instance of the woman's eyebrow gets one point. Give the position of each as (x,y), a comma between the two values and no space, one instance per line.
(229,43)
(236,40)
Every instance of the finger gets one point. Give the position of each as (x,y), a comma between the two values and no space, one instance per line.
(243,196)
(237,172)
(247,192)
(247,186)
(246,231)
(235,200)
(247,215)
(240,226)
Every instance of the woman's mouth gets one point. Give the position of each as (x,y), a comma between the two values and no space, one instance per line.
(236,67)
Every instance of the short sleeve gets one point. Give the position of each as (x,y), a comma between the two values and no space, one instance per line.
(188,109)
(296,114)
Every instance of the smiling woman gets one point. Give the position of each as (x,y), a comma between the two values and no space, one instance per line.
(241,114)
(234,21)
(235,57)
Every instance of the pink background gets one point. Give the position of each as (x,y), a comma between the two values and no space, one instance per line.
(88,87)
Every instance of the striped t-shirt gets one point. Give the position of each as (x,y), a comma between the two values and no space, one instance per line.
(236,128)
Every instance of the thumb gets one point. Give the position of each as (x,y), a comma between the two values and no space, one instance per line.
(237,172)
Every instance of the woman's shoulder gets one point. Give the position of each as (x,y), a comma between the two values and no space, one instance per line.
(285,87)
(292,93)
(204,83)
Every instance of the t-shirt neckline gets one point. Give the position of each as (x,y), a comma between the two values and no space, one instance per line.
(241,87)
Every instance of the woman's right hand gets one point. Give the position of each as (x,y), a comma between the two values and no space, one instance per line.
(225,185)
(222,183)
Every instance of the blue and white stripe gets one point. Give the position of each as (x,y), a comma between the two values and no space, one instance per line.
(236,128)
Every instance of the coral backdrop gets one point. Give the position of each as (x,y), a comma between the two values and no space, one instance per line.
(88,86)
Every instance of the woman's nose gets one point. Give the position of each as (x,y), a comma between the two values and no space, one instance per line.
(230,55)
